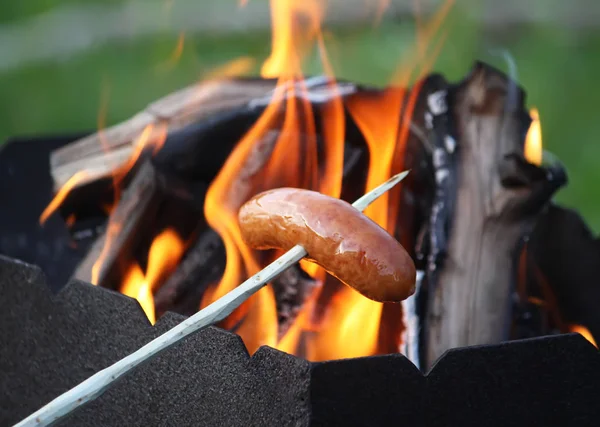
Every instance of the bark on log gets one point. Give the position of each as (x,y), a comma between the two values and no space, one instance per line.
(497,201)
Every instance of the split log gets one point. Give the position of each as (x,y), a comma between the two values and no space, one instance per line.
(497,200)
(103,152)
(292,289)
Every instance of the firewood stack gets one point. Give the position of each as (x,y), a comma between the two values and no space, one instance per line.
(474,214)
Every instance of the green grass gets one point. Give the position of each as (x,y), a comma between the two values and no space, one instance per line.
(557,68)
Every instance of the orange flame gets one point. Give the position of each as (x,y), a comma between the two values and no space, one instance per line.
(349,315)
(350,325)
(175,55)
(582,330)
(533,141)
(295,25)
(257,164)
(135,286)
(164,254)
(62,195)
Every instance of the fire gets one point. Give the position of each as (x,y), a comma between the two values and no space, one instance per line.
(350,315)
(349,326)
(282,149)
(62,194)
(296,24)
(262,160)
(533,141)
(582,330)
(164,254)
(178,51)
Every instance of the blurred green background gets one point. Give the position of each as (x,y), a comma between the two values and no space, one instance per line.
(46,90)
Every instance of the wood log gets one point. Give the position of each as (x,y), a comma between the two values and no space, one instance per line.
(497,201)
(101,153)
(110,148)
(292,289)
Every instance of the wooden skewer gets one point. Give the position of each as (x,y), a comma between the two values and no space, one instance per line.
(98,383)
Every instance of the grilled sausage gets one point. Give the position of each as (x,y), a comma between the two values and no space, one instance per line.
(344,241)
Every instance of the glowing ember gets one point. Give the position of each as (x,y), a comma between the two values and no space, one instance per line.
(533,142)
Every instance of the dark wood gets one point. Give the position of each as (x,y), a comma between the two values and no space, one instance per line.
(202,266)
(498,197)
(563,258)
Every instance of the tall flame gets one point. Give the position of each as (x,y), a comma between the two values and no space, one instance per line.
(290,160)
(533,141)
(350,324)
(349,314)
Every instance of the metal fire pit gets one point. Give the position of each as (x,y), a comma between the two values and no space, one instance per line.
(51,342)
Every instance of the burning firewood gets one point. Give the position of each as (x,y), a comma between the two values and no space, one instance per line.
(465,145)
(98,383)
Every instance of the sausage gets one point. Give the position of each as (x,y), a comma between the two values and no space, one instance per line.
(342,240)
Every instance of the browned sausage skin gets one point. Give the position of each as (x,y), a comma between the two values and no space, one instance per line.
(336,236)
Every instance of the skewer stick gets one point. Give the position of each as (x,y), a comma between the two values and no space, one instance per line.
(98,383)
